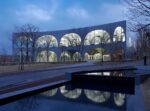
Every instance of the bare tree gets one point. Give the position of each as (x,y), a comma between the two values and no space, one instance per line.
(139,17)
(143,42)
(19,44)
(138,14)
(27,34)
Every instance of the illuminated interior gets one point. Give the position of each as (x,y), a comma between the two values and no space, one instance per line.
(65,56)
(71,39)
(47,41)
(46,56)
(76,56)
(119,34)
(97,54)
(97,37)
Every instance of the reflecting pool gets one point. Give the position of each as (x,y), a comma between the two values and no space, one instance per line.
(68,98)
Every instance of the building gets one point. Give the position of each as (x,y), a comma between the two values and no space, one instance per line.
(6,59)
(101,43)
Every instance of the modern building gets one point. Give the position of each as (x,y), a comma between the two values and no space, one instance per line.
(101,43)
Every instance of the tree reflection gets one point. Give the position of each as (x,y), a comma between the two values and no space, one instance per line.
(27,104)
(72,94)
(97,96)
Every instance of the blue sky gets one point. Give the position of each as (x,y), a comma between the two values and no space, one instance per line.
(55,15)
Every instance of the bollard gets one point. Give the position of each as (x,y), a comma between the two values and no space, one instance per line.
(145,61)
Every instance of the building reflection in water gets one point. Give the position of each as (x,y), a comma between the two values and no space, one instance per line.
(97,96)
(72,94)
(99,73)
(115,73)
(119,99)
(79,96)
(51,92)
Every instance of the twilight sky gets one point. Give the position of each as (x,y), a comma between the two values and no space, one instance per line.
(55,15)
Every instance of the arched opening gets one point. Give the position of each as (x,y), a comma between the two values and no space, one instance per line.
(118,55)
(86,56)
(46,56)
(71,39)
(76,56)
(65,56)
(97,96)
(97,37)
(119,34)
(71,94)
(46,41)
(97,54)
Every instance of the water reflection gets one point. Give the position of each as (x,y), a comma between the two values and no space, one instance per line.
(97,96)
(119,99)
(27,104)
(99,73)
(115,73)
(51,92)
(72,94)
(79,99)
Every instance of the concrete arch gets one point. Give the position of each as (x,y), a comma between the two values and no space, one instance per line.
(97,37)
(71,94)
(97,54)
(97,96)
(71,39)
(46,56)
(46,41)
(119,34)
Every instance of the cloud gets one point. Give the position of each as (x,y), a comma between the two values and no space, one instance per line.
(35,13)
(78,13)
(112,12)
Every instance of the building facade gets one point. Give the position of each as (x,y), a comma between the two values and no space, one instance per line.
(100,43)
